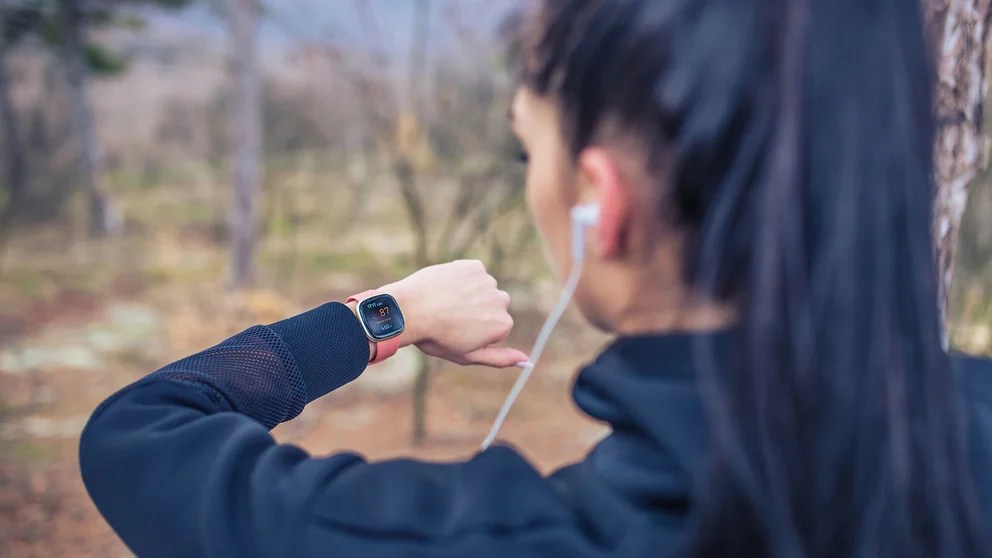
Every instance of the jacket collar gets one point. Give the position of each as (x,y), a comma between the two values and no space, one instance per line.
(645,388)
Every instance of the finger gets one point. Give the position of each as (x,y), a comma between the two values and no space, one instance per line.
(475,266)
(503,324)
(504,298)
(497,357)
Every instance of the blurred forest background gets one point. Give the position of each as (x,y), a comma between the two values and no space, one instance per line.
(173,171)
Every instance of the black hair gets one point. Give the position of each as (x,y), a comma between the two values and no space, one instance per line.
(800,139)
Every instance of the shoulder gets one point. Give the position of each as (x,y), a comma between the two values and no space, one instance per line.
(497,490)
(495,504)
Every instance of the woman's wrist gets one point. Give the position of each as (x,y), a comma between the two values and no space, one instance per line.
(455,311)
(412,316)
(406,299)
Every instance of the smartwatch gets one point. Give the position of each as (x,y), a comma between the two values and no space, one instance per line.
(382,321)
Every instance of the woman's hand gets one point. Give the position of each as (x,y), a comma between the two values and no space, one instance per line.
(456,312)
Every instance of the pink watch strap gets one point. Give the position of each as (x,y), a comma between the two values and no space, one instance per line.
(383,349)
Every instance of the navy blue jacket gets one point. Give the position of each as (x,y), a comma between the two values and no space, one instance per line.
(181,463)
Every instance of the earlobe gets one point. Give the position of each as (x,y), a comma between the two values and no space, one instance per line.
(602,175)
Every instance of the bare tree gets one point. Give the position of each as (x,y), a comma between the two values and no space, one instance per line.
(16,161)
(413,200)
(456,183)
(469,143)
(958,33)
(90,157)
(243,17)
(411,130)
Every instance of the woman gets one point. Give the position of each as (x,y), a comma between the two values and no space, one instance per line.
(777,385)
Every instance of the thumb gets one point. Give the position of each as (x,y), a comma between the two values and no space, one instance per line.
(497,357)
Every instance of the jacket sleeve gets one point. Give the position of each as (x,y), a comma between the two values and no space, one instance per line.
(181,463)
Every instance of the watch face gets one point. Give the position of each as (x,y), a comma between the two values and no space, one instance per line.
(382,317)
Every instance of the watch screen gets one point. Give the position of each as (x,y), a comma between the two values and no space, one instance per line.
(382,316)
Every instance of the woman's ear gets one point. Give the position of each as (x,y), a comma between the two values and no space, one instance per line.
(602,176)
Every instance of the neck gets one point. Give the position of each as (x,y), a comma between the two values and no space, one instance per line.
(639,319)
(655,300)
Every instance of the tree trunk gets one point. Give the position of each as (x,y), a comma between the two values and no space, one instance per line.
(16,162)
(957,31)
(421,385)
(407,177)
(98,216)
(247,139)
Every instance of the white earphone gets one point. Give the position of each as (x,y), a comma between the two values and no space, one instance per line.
(583,217)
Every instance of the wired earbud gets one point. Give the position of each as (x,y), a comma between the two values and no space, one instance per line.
(583,216)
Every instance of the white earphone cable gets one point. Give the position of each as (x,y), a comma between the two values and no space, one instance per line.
(535,355)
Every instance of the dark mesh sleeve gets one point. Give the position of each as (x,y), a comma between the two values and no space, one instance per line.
(271,372)
(328,345)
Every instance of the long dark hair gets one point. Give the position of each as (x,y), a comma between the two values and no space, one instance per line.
(801,136)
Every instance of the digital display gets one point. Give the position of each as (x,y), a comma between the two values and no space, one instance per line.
(382,317)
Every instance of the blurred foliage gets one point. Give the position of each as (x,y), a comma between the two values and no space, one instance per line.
(336,122)
(40,19)
(103,62)
(331,110)
(971,301)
